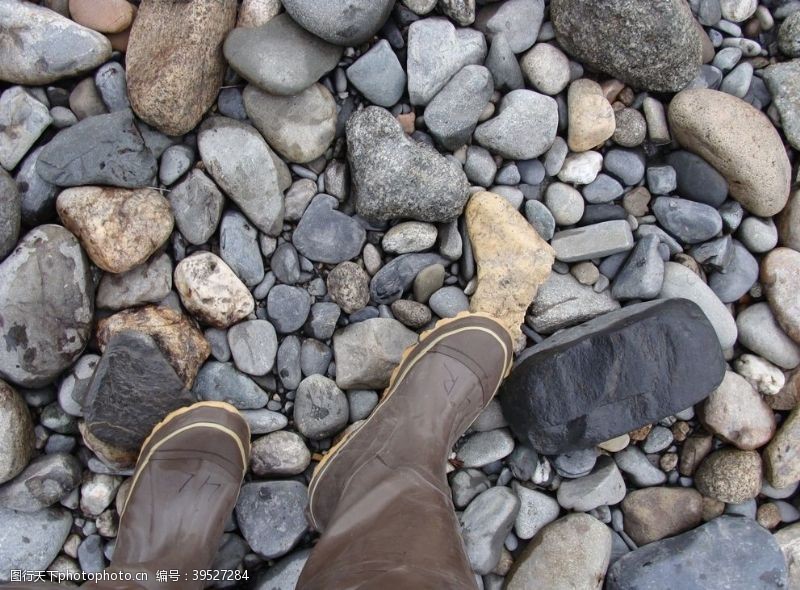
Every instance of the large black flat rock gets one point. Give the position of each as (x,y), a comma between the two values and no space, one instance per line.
(611,375)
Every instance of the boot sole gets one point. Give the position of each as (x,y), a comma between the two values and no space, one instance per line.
(144,459)
(394,379)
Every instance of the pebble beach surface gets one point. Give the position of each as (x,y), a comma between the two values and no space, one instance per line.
(264,202)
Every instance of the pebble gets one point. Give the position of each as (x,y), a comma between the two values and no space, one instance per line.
(602,487)
(222,382)
(564,203)
(271,516)
(254,13)
(562,301)
(22,120)
(736,413)
(300,127)
(197,206)
(240,161)
(284,263)
(45,531)
(760,332)
(789,35)
(149,282)
(394,278)
(343,22)
(642,275)
(758,235)
(322,320)
(361,402)
(602,189)
(737,140)
(738,550)
(591,118)
(503,64)
(451,116)
(210,290)
(681,282)
(546,68)
(480,166)
(288,307)
(626,165)
(572,552)
(485,524)
(295,58)
(641,472)
(659,439)
(348,286)
(409,236)
(367,352)
(378,75)
(112,152)
(390,171)
(10,214)
(16,433)
(581,168)
(253,345)
(524,127)
(119,228)
(285,573)
(518,21)
(325,234)
(85,100)
(737,278)
(780,275)
(36,196)
(781,461)
(321,409)
(539,216)
(436,51)
(592,241)
(279,454)
(730,475)
(688,221)
(411,313)
(658,51)
(630,128)
(787,539)
(483,448)
(42,46)
(264,421)
(575,463)
(448,302)
(175,162)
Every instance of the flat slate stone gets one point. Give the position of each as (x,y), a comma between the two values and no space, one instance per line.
(133,388)
(593,241)
(104,149)
(728,552)
(628,368)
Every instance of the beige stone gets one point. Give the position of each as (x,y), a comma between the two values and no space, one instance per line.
(655,513)
(16,433)
(787,398)
(119,228)
(182,344)
(739,141)
(737,414)
(730,475)
(174,62)
(591,118)
(780,275)
(300,127)
(512,260)
(572,552)
(254,13)
(104,16)
(788,540)
(789,223)
(782,455)
(694,450)
(210,290)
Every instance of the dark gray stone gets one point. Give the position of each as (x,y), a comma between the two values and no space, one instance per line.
(289,362)
(737,277)
(285,573)
(626,165)
(46,480)
(288,307)
(271,516)
(392,280)
(503,65)
(453,114)
(322,320)
(594,214)
(46,306)
(715,254)
(697,179)
(378,75)
(132,389)
(643,273)
(602,189)
(325,234)
(728,552)
(658,49)
(37,196)
(285,263)
(110,82)
(104,149)
(315,356)
(628,368)
(394,176)
(238,247)
(10,213)
(90,554)
(197,206)
(341,22)
(31,541)
(661,180)
(222,382)
(687,220)
(480,166)
(539,216)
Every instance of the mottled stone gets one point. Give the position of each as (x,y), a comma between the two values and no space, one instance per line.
(782,455)
(730,475)
(17,437)
(780,275)
(652,514)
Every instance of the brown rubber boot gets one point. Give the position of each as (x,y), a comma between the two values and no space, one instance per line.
(380,497)
(184,489)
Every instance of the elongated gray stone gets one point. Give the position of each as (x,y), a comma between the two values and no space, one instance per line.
(593,241)
(562,302)
(392,280)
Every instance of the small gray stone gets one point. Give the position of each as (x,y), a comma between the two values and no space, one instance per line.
(392,280)
(279,454)
(343,22)
(288,307)
(325,234)
(264,421)
(322,320)
(715,254)
(642,473)
(539,216)
(197,205)
(31,541)
(503,65)
(315,357)
(782,81)
(271,516)
(737,82)
(90,554)
(697,179)
(238,247)
(603,487)
(759,235)
(592,241)
(576,463)
(409,236)
(175,161)
(485,524)
(289,362)
(659,439)
(22,121)
(565,203)
(451,116)
(10,214)
(147,283)
(602,189)
(253,344)
(73,388)
(789,34)
(760,332)
(688,221)
(37,196)
(348,287)
(661,180)
(378,75)
(447,302)
(562,302)
(110,82)
(482,448)
(524,127)
(104,149)
(361,403)
(465,484)
(480,166)
(626,165)
(643,273)
(737,277)
(320,409)
(517,20)
(218,339)
(536,510)
(46,480)
(285,573)
(280,56)
(298,197)
(222,382)
(285,263)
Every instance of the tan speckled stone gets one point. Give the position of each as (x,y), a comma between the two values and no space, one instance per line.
(16,433)
(780,275)
(591,117)
(512,261)
(730,475)
(104,16)
(782,455)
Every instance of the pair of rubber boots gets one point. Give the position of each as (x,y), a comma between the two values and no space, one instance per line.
(380,497)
